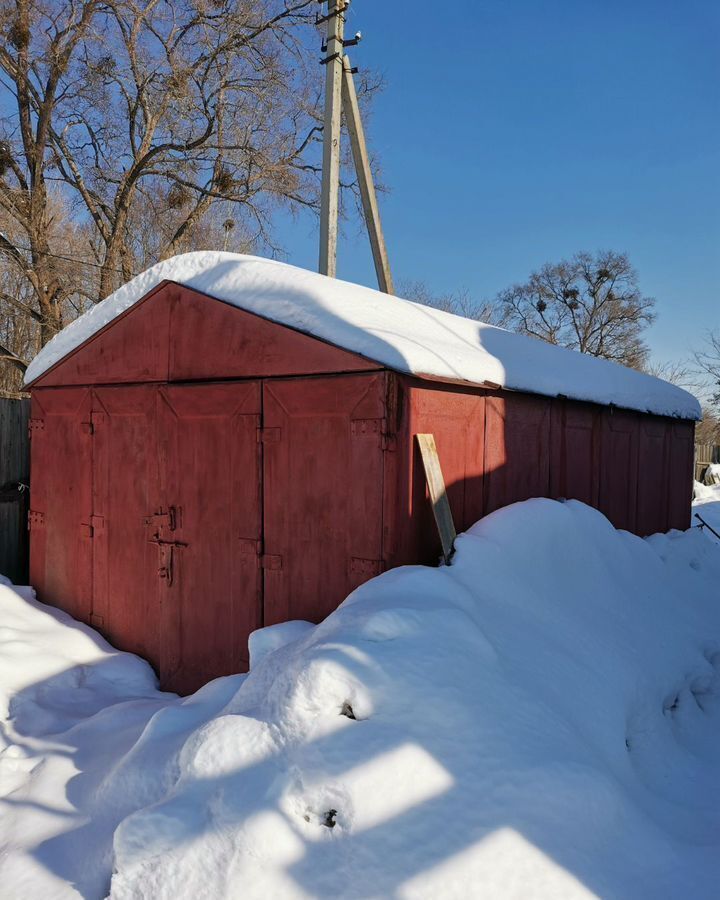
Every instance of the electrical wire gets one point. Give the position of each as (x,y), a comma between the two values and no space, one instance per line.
(72,259)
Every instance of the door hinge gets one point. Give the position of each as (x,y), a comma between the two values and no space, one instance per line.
(36,520)
(373,427)
(35,425)
(269,435)
(250,547)
(366,567)
(270,562)
(97,523)
(363,427)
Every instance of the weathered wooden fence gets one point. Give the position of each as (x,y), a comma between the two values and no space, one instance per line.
(14,488)
(705,455)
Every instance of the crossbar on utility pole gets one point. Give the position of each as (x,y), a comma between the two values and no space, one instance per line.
(365,180)
(331,137)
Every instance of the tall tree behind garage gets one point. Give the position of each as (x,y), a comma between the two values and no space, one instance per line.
(145,126)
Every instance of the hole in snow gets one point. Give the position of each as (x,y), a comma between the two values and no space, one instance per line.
(671,705)
(328,818)
(347,711)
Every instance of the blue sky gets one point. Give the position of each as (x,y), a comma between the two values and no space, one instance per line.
(515,133)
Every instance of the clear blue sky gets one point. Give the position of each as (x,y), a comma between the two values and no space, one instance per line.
(513,132)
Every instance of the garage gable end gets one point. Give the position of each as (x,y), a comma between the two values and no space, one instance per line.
(178,334)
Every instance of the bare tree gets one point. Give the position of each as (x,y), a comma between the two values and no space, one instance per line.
(147,125)
(708,363)
(184,106)
(707,430)
(588,303)
(39,42)
(459,302)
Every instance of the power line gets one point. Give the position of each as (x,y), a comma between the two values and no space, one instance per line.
(72,259)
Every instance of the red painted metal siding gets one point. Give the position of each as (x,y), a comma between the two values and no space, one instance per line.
(127,604)
(517,449)
(60,500)
(212,480)
(497,448)
(575,451)
(323,491)
(176,574)
(179,335)
(132,349)
(619,460)
(457,419)
(238,344)
(179,513)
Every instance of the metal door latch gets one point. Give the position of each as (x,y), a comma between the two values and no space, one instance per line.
(167,558)
(170,518)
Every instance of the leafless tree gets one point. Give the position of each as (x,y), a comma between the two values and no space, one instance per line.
(589,303)
(38,42)
(153,127)
(460,302)
(708,428)
(708,363)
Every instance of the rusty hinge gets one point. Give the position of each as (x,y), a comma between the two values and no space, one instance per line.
(362,427)
(36,520)
(366,567)
(35,425)
(269,435)
(374,427)
(270,562)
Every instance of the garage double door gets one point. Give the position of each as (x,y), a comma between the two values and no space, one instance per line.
(176,519)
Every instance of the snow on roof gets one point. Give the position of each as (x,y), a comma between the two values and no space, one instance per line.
(404,336)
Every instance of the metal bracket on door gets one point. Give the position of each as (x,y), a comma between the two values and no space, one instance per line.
(170,518)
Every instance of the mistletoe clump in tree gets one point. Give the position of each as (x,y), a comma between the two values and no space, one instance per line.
(590,303)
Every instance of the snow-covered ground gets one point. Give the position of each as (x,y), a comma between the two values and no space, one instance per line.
(707,505)
(541,719)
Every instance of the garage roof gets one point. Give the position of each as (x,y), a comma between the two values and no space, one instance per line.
(404,336)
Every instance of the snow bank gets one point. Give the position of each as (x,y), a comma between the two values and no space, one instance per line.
(404,336)
(707,505)
(539,719)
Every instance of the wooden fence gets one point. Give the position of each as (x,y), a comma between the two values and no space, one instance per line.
(14,488)
(705,455)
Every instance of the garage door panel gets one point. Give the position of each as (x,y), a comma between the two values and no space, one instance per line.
(127,493)
(320,539)
(213,483)
(61,500)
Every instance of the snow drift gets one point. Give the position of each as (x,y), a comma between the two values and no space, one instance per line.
(539,719)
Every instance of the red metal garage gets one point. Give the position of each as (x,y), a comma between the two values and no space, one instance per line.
(199,470)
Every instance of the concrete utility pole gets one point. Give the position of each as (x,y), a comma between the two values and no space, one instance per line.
(365,180)
(331,137)
(340,93)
